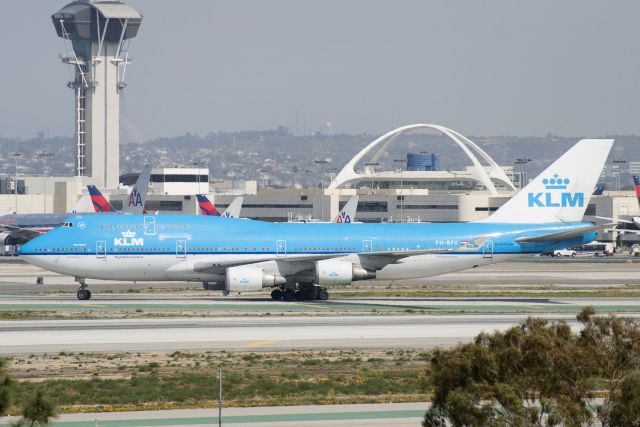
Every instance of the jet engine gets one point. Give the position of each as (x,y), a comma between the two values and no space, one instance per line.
(244,279)
(333,272)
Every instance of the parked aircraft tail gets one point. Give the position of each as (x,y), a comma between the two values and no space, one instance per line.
(348,212)
(562,192)
(206,207)
(599,190)
(138,195)
(100,203)
(636,185)
(233,210)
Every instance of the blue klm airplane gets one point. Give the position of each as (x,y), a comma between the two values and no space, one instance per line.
(299,259)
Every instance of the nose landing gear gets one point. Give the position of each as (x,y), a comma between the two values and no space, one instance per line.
(83,293)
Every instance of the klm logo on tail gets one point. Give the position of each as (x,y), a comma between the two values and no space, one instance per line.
(554,197)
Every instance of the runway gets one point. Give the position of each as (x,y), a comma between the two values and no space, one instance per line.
(17,277)
(151,320)
(248,334)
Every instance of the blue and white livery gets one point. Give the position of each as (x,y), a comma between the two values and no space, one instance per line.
(299,260)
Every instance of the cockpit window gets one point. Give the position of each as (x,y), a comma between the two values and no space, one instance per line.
(68,224)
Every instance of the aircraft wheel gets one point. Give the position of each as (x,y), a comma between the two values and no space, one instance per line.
(312,293)
(276,294)
(322,294)
(289,295)
(301,295)
(82,294)
(88,294)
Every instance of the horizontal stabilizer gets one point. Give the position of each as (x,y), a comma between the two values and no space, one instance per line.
(563,235)
(614,221)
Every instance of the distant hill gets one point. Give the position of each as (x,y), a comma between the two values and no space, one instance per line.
(278,158)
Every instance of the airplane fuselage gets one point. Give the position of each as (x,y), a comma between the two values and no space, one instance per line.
(190,248)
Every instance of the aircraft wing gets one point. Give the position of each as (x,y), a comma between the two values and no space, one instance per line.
(563,235)
(21,235)
(367,259)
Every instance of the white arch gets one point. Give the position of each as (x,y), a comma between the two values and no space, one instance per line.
(478,172)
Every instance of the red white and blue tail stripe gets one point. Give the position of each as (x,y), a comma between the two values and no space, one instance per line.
(636,184)
(206,207)
(100,203)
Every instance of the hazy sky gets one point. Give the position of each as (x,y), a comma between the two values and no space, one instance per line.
(481,67)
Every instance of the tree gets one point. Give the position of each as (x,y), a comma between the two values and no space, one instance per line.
(6,384)
(37,411)
(540,373)
(613,344)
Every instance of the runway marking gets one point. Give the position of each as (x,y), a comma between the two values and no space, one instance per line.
(259,343)
(93,305)
(315,306)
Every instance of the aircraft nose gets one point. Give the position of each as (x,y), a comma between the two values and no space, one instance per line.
(30,253)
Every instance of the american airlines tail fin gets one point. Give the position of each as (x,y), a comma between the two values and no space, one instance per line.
(562,192)
(100,203)
(206,207)
(138,195)
(233,210)
(599,190)
(348,212)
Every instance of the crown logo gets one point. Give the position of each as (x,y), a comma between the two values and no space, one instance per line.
(128,233)
(556,183)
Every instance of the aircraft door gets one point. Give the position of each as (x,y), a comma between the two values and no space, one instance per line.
(366,246)
(281,247)
(149,225)
(487,249)
(101,249)
(181,249)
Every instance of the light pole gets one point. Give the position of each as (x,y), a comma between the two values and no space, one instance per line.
(199,164)
(322,162)
(619,162)
(44,156)
(523,161)
(220,376)
(402,162)
(16,155)
(372,166)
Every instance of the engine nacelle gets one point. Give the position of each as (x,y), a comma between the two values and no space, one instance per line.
(245,279)
(333,272)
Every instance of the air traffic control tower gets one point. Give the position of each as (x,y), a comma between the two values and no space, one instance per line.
(97,36)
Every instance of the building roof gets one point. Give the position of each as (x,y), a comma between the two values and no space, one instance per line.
(116,9)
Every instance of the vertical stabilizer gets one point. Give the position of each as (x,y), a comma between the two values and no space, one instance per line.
(348,212)
(100,203)
(138,195)
(562,192)
(206,207)
(233,210)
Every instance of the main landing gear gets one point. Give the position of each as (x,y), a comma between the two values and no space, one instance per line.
(303,293)
(83,293)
